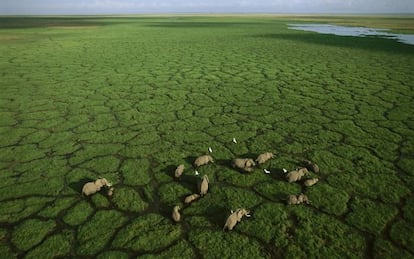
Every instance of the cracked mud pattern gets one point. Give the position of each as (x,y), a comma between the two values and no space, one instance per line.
(129,99)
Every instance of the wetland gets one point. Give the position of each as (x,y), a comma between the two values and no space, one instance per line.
(131,98)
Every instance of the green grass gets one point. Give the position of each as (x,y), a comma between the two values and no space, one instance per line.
(31,232)
(130,98)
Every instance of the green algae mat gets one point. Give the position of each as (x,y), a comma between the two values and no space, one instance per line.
(131,98)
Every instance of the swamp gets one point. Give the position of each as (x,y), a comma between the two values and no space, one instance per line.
(129,98)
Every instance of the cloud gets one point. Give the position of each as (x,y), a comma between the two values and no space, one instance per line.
(143,6)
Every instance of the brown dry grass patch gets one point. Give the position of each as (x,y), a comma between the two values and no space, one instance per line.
(73,27)
(9,37)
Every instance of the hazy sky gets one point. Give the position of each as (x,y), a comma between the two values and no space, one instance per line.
(204,6)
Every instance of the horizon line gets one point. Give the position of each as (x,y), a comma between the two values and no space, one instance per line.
(210,13)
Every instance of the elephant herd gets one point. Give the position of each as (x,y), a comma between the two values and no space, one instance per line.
(245,165)
(242,164)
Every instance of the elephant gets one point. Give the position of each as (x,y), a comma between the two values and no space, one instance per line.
(245,164)
(311,182)
(235,217)
(262,158)
(111,192)
(94,187)
(203,160)
(302,198)
(296,175)
(179,171)
(191,198)
(311,166)
(294,200)
(176,213)
(204,185)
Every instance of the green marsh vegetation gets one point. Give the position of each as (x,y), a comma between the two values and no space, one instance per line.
(130,98)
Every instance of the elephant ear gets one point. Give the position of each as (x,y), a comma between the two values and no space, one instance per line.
(240,213)
(105,182)
(99,182)
(246,163)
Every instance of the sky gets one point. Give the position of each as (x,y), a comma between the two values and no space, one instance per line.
(44,7)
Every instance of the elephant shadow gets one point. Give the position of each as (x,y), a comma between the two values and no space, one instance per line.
(77,186)
(170,170)
(191,186)
(190,159)
(224,162)
(278,174)
(191,179)
(165,210)
(217,215)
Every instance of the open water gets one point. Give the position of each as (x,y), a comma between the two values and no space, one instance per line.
(353,31)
